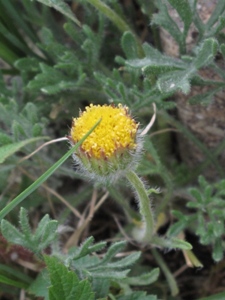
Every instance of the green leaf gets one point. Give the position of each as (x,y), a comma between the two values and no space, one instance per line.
(62,7)
(58,87)
(5,139)
(173,81)
(197,195)
(37,130)
(10,149)
(100,286)
(41,226)
(111,14)
(32,241)
(180,244)
(13,272)
(13,39)
(184,10)
(201,224)
(12,11)
(49,234)
(28,64)
(129,45)
(162,18)
(218,11)
(11,233)
(156,65)
(49,77)
(204,98)
(40,285)
(218,27)
(144,279)
(202,182)
(112,251)
(86,248)
(157,68)
(218,228)
(97,247)
(104,272)
(206,54)
(125,262)
(65,284)
(12,282)
(24,224)
(171,243)
(176,228)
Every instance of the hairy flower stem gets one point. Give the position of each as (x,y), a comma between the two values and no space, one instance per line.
(144,204)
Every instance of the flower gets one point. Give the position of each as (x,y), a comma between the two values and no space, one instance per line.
(112,147)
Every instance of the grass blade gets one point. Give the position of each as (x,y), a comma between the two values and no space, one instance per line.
(43,177)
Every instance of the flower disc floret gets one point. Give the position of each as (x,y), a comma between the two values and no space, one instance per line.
(117,130)
(111,147)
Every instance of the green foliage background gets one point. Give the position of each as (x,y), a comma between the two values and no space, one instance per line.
(59,56)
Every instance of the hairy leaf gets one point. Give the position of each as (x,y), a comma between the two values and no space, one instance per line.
(184,10)
(206,53)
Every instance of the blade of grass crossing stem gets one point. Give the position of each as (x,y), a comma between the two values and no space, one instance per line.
(43,177)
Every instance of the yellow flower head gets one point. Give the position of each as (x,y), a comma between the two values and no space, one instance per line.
(110,147)
(117,130)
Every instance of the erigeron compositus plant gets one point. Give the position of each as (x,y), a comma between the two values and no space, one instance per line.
(112,151)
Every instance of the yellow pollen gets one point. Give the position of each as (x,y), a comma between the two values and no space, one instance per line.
(116,131)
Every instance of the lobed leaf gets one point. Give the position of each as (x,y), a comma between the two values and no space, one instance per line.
(162,18)
(176,80)
(206,54)
(65,284)
(184,10)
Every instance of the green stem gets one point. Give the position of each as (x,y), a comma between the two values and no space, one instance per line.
(169,276)
(144,203)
